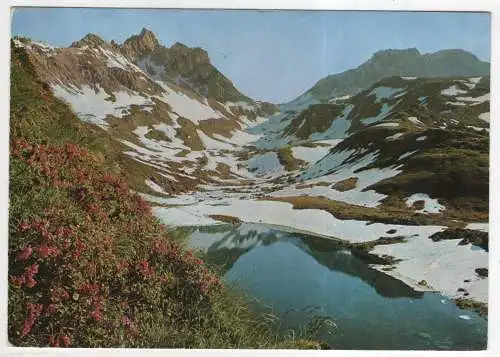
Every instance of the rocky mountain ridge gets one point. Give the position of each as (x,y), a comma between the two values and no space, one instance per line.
(397,62)
(405,155)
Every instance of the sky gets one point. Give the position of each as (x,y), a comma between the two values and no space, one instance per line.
(269,55)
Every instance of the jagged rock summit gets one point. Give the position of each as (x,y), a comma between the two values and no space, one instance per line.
(140,45)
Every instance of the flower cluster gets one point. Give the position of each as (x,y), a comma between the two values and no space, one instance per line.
(95,261)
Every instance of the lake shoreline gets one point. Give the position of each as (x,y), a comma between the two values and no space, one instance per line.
(383,260)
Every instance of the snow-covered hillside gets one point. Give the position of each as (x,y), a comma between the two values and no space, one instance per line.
(406,157)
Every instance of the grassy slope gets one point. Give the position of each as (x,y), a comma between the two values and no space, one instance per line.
(286,158)
(89,266)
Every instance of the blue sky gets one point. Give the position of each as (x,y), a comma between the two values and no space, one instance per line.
(269,55)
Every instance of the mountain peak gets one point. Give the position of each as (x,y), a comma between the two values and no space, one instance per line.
(391,53)
(143,43)
(90,39)
(399,62)
(454,52)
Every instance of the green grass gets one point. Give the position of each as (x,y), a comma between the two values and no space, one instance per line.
(105,272)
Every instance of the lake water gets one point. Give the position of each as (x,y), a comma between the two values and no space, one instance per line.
(302,277)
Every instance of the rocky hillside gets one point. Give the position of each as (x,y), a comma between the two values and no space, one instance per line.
(169,107)
(403,155)
(387,63)
(397,137)
(401,136)
(437,102)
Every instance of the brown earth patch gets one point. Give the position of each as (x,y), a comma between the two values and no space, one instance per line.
(223,127)
(346,185)
(226,219)
(187,133)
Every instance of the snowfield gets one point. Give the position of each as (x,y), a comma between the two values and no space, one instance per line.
(94,107)
(189,108)
(310,154)
(443,265)
(236,171)
(282,214)
(265,164)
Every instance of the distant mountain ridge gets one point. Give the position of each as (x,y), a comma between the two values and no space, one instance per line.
(395,62)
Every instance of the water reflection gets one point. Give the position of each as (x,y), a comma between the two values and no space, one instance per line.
(303,277)
(224,244)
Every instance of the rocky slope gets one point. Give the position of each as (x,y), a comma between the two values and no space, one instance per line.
(387,63)
(405,153)
(161,103)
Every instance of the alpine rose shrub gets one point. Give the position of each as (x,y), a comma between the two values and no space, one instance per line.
(94,268)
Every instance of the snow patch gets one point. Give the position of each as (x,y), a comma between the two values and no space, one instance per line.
(453,90)
(384,93)
(310,154)
(476,100)
(479,226)
(152,185)
(460,104)
(394,137)
(444,265)
(485,116)
(387,125)
(476,128)
(339,127)
(92,106)
(383,113)
(307,220)
(189,108)
(415,121)
(407,154)
(267,163)
(431,205)
(212,144)
(339,166)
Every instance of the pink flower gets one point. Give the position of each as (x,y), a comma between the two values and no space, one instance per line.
(54,342)
(17,280)
(25,253)
(51,308)
(46,251)
(24,226)
(66,341)
(145,268)
(96,314)
(92,289)
(34,311)
(28,275)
